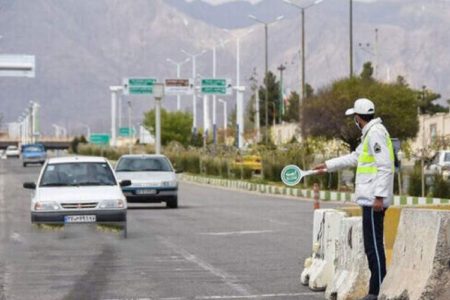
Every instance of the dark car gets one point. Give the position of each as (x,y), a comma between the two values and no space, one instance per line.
(33,154)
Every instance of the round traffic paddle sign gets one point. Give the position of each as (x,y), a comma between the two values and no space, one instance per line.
(291,175)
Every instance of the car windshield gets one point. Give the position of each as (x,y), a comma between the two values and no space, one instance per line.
(77,174)
(143,164)
(11,148)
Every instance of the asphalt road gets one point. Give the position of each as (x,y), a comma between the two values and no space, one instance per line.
(220,244)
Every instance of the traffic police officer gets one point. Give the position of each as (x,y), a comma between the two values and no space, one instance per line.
(374,183)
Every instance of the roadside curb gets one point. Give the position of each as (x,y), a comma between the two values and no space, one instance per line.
(304,193)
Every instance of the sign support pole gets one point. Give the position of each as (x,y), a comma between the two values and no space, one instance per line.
(158,125)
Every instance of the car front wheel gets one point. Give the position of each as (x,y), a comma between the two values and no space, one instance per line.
(172,203)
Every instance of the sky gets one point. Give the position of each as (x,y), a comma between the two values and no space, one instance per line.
(218,2)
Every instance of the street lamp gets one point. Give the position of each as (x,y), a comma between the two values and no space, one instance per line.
(178,65)
(303,85)
(239,105)
(266,101)
(214,68)
(194,102)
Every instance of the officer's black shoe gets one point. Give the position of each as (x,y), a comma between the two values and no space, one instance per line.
(370,297)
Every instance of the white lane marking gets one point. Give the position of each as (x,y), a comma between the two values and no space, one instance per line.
(278,222)
(16,237)
(237,232)
(319,295)
(227,278)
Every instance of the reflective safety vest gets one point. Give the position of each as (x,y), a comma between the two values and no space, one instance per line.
(366,161)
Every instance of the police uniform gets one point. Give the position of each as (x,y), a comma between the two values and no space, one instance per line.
(374,159)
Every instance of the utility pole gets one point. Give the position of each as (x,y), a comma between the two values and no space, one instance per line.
(422,159)
(302,93)
(281,68)
(266,69)
(351,38)
(193,57)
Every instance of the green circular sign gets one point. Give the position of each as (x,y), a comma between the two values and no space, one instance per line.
(291,175)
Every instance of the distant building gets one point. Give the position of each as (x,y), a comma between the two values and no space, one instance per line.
(284,133)
(432,129)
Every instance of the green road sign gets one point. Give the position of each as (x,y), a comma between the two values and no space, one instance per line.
(138,86)
(214,90)
(136,90)
(216,86)
(141,81)
(126,132)
(291,175)
(214,82)
(99,139)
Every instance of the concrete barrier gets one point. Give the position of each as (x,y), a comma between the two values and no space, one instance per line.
(323,263)
(318,243)
(351,278)
(420,267)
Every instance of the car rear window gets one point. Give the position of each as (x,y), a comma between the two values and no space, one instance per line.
(144,164)
(77,174)
(33,149)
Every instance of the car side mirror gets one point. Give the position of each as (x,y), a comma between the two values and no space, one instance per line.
(178,171)
(125,183)
(29,185)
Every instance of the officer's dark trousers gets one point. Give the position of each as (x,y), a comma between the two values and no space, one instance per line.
(374,246)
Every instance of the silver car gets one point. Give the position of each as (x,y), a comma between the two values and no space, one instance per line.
(153,179)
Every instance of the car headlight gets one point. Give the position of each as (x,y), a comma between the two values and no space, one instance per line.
(46,205)
(170,183)
(112,204)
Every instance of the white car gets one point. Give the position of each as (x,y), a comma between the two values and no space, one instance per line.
(439,164)
(12,151)
(153,179)
(78,190)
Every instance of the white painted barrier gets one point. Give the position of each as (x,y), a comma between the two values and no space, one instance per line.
(317,242)
(351,279)
(323,264)
(420,266)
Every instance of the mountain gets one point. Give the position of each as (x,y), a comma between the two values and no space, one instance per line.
(82,47)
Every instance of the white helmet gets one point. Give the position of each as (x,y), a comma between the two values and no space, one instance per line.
(362,106)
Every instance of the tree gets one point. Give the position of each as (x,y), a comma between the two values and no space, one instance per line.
(175,126)
(396,104)
(426,98)
(292,110)
(367,72)
(273,86)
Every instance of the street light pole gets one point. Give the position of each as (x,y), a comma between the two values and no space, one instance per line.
(351,38)
(302,94)
(239,107)
(194,102)
(266,101)
(178,65)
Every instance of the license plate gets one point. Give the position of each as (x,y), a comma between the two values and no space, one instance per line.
(146,192)
(80,219)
